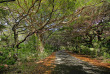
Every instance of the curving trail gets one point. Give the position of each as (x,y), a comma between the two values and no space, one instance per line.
(67,64)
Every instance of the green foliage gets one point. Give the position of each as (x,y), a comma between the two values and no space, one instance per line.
(82,3)
(2,67)
(106,55)
(10,61)
(47,51)
(3,13)
(2,27)
(7,56)
(27,52)
(85,50)
(62,48)
(50,48)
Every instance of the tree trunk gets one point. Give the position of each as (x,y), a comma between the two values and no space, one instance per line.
(15,40)
(15,36)
(40,45)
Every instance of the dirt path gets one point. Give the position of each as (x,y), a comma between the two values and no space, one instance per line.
(67,64)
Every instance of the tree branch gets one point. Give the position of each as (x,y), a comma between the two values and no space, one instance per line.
(6,1)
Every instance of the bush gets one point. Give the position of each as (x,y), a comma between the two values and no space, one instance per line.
(27,53)
(106,55)
(6,58)
(2,67)
(50,47)
(10,61)
(85,50)
(62,48)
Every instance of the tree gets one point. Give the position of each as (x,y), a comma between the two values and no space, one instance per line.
(45,17)
(37,16)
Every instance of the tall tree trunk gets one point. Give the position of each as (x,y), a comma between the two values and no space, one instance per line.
(15,36)
(40,45)
(15,40)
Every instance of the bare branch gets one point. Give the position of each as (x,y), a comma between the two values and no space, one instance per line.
(26,38)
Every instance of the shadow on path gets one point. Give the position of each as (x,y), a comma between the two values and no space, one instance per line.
(65,69)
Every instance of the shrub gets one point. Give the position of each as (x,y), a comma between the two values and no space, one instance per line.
(6,57)
(2,67)
(106,55)
(85,50)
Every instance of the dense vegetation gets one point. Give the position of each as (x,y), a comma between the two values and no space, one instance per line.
(31,29)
